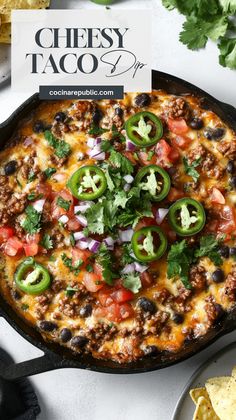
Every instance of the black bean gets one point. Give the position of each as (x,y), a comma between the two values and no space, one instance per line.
(178,318)
(60,116)
(196,123)
(220,312)
(86,310)
(233,182)
(172,170)
(65,335)
(10,167)
(119,112)
(214,133)
(39,127)
(232,251)
(97,116)
(47,326)
(224,251)
(147,305)
(218,275)
(16,295)
(79,341)
(151,351)
(230,167)
(143,99)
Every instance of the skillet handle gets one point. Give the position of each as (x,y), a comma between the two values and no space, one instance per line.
(31,367)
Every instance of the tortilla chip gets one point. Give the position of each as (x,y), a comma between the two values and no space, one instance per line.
(5,33)
(5,18)
(223,396)
(196,393)
(204,410)
(7,5)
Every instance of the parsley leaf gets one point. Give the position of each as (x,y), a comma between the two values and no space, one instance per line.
(104,258)
(49,172)
(132,282)
(68,263)
(31,223)
(228,6)
(179,260)
(62,149)
(64,204)
(190,168)
(209,247)
(47,241)
(121,162)
(227,49)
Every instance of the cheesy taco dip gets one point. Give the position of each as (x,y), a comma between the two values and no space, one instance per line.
(117,223)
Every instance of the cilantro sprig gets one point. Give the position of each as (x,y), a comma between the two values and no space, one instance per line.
(61,148)
(32,221)
(190,168)
(74,268)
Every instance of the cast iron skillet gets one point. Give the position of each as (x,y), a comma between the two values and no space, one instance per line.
(56,356)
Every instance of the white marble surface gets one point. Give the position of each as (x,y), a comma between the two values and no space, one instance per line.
(74,394)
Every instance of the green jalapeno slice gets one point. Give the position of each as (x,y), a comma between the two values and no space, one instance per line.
(187,216)
(149,243)
(155,180)
(32,277)
(87,183)
(144,129)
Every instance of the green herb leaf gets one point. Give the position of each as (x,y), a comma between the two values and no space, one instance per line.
(104,258)
(228,6)
(72,239)
(47,241)
(96,130)
(190,168)
(121,162)
(95,218)
(227,47)
(31,176)
(49,172)
(209,247)
(24,306)
(132,282)
(68,263)
(89,268)
(31,223)
(62,149)
(64,204)
(33,196)
(70,291)
(179,259)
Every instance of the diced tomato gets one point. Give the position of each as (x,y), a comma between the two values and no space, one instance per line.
(212,226)
(217,196)
(145,158)
(177,126)
(171,235)
(181,141)
(118,313)
(146,279)
(104,296)
(58,211)
(165,153)
(122,295)
(173,155)
(6,233)
(31,249)
(175,194)
(80,254)
(146,221)
(13,246)
(92,282)
(130,156)
(34,238)
(45,190)
(73,224)
(97,268)
(227,222)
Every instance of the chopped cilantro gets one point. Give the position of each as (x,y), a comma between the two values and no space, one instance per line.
(62,149)
(190,168)
(179,259)
(47,241)
(209,247)
(106,146)
(117,134)
(150,155)
(33,196)
(70,291)
(121,199)
(89,268)
(95,218)
(31,176)
(64,204)
(49,172)
(68,263)
(121,162)
(72,239)
(52,258)
(24,306)
(31,223)
(104,258)
(96,130)
(132,282)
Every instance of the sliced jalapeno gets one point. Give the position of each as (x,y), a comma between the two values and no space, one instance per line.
(187,216)
(155,180)
(32,277)
(87,183)
(149,243)
(144,129)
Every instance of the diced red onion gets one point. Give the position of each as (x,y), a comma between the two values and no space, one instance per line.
(91,142)
(109,242)
(82,244)
(38,205)
(129,179)
(101,156)
(130,147)
(98,140)
(94,245)
(160,215)
(59,177)
(82,220)
(139,267)
(63,219)
(83,207)
(28,141)
(95,151)
(127,187)
(129,268)
(126,235)
(78,236)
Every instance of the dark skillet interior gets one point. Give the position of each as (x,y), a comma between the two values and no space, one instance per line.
(62,357)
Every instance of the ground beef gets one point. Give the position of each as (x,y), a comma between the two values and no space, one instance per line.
(198,277)
(30,166)
(5,189)
(178,108)
(47,212)
(83,114)
(59,129)
(42,305)
(4,217)
(181,303)
(70,305)
(230,285)
(213,310)
(58,285)
(57,238)
(56,161)
(156,322)
(228,149)
(100,333)
(208,163)
(163,296)
(20,233)
(17,204)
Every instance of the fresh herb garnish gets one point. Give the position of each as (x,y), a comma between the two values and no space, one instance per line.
(49,172)
(47,242)
(24,306)
(68,263)
(96,130)
(209,247)
(179,259)
(31,176)
(104,258)
(190,168)
(150,155)
(33,196)
(70,291)
(64,204)
(132,282)
(31,223)
(62,149)
(89,268)
(72,239)
(121,162)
